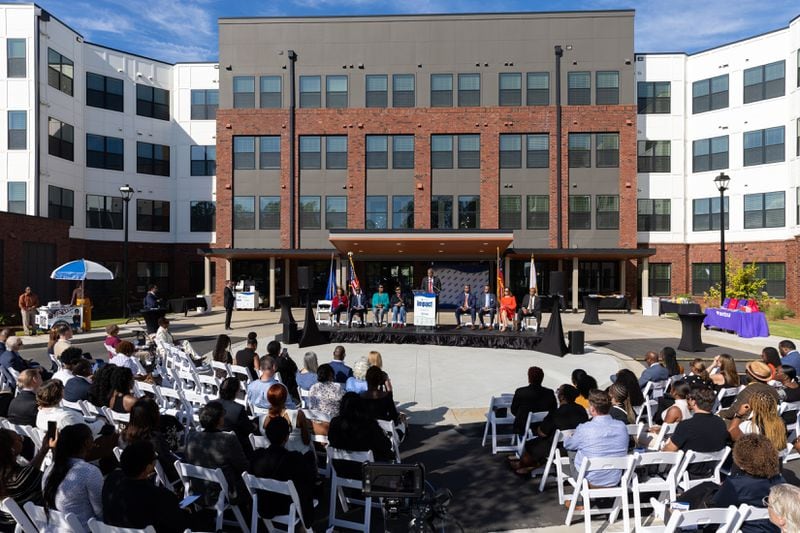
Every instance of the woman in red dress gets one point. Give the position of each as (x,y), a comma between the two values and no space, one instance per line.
(508,306)
(338,305)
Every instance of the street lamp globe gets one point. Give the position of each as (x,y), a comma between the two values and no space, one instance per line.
(722,182)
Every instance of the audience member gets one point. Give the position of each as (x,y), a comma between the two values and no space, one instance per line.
(121,398)
(375,359)
(339,305)
(125,357)
(146,425)
(5,333)
(680,409)
(64,340)
(248,358)
(789,390)
(236,418)
(759,415)
(789,354)
(69,358)
(771,358)
(257,390)
(669,359)
(783,509)
(698,375)
(112,336)
(307,376)
(162,333)
(723,372)
(21,483)
(620,404)
(340,370)
(48,398)
(325,395)
(353,430)
(377,402)
(23,408)
(13,360)
(52,339)
(130,499)
(654,371)
(222,350)
(77,389)
(759,374)
(72,485)
(286,368)
(585,385)
(357,382)
(299,439)
(533,398)
(629,380)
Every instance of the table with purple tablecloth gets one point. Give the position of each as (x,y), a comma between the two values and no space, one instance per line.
(746,325)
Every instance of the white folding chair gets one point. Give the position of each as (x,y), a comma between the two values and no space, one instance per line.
(528,434)
(320,446)
(555,459)
(618,492)
(338,484)
(112,352)
(794,433)
(188,472)
(654,390)
(693,457)
(118,420)
(635,431)
(24,524)
(726,518)
(323,313)
(390,431)
(88,408)
(303,396)
(725,393)
(56,361)
(529,322)
(660,476)
(291,519)
(648,409)
(259,441)
(75,406)
(222,367)
(787,407)
(664,432)
(240,372)
(749,513)
(493,421)
(62,522)
(96,526)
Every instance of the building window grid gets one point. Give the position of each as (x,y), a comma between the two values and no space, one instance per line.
(270,94)
(775,276)
(403,90)
(704,276)
(660,279)
(335,212)
(17,130)
(538,88)
(607,212)
(469,90)
(654,156)
(403,151)
(441,90)
(244,153)
(377,151)
(205,103)
(203,160)
(579,88)
(765,146)
(654,214)
(441,151)
(580,150)
(152,159)
(469,151)
(710,154)
(336,152)
(310,215)
(710,94)
(60,204)
(469,210)
(17,197)
(607,87)
(310,91)
(764,82)
(510,93)
(105,92)
(105,152)
(607,150)
(269,152)
(269,212)
(152,215)
(510,207)
(152,102)
(377,90)
(706,214)
(60,72)
(336,91)
(654,97)
(510,150)
(765,210)
(202,216)
(402,212)
(244,212)
(61,139)
(377,213)
(538,151)
(310,152)
(244,92)
(580,212)
(441,212)
(16,58)
(538,212)
(104,212)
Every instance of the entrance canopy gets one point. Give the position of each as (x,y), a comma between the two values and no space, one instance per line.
(428,245)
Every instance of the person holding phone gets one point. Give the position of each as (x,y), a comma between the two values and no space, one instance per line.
(22,483)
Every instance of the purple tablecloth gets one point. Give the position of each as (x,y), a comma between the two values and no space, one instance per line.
(744,324)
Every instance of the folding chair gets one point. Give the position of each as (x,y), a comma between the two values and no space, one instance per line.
(161,477)
(24,524)
(664,482)
(338,484)
(555,458)
(240,372)
(533,418)
(529,322)
(188,472)
(654,389)
(725,393)
(493,421)
(320,446)
(96,526)
(390,431)
(748,513)
(647,410)
(693,457)
(66,522)
(88,408)
(112,352)
(222,367)
(726,518)
(118,420)
(256,484)
(259,441)
(794,433)
(664,432)
(618,492)
(75,406)
(323,314)
(303,396)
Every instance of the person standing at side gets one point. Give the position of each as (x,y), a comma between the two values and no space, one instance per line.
(28,302)
(228,301)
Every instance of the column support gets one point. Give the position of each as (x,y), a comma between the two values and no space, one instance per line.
(574,284)
(206,275)
(272,283)
(622,280)
(645,279)
(287,278)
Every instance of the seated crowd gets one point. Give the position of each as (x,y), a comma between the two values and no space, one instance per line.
(104,468)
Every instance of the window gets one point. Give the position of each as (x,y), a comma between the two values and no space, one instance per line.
(335,91)
(402,212)
(441,151)
(16,67)
(580,212)
(510,151)
(764,210)
(104,92)
(269,212)
(152,159)
(441,90)
(538,155)
(607,212)
(660,279)
(580,150)
(244,91)
(204,104)
(775,274)
(202,215)
(310,212)
(336,152)
(469,90)
(153,273)
(764,82)
(607,88)
(402,151)
(579,88)
(152,102)
(607,155)
(710,94)
(403,90)
(103,212)
(60,72)
(244,212)
(653,97)
(441,212)
(510,88)
(61,139)
(377,151)
(538,88)
(654,156)
(104,152)
(377,90)
(269,92)
(203,160)
(377,212)
(152,215)
(17,197)
(469,151)
(244,153)
(335,212)
(60,204)
(710,154)
(763,146)
(310,91)
(17,130)
(310,152)
(469,210)
(704,276)
(510,212)
(538,213)
(705,214)
(653,214)
(269,152)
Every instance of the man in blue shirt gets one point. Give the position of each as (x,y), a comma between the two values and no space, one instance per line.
(789,354)
(602,436)
(655,371)
(257,390)
(340,370)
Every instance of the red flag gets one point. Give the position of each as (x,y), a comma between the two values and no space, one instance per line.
(501,284)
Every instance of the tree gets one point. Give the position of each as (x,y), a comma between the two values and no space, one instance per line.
(744,283)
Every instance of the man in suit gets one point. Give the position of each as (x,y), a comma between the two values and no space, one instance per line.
(655,371)
(431,283)
(789,354)
(228,301)
(77,388)
(531,399)
(358,306)
(23,408)
(487,304)
(466,304)
(151,299)
(531,306)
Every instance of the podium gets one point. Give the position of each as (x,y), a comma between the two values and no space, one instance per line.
(424,309)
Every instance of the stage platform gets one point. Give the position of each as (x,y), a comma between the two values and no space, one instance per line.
(446,335)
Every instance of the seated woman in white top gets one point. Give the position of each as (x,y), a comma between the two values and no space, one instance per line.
(163,333)
(680,409)
(48,398)
(125,357)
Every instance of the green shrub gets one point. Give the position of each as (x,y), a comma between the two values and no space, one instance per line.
(776,309)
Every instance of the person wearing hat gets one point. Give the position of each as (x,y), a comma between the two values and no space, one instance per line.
(759,374)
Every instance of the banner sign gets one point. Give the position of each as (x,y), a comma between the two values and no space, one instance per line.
(424,309)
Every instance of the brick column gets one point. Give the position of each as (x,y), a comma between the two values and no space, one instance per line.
(490,176)
(422,180)
(356,180)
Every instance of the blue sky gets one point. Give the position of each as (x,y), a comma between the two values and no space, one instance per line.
(186,30)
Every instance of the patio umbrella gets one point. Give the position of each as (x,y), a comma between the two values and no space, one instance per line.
(80,270)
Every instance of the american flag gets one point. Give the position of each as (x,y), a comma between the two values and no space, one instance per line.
(354,284)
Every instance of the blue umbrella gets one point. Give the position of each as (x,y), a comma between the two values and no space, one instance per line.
(80,270)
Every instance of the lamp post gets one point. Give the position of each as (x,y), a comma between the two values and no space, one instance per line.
(722,182)
(126,191)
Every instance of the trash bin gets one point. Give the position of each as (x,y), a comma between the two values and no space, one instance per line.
(575,342)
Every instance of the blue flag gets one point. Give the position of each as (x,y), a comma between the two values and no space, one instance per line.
(330,290)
